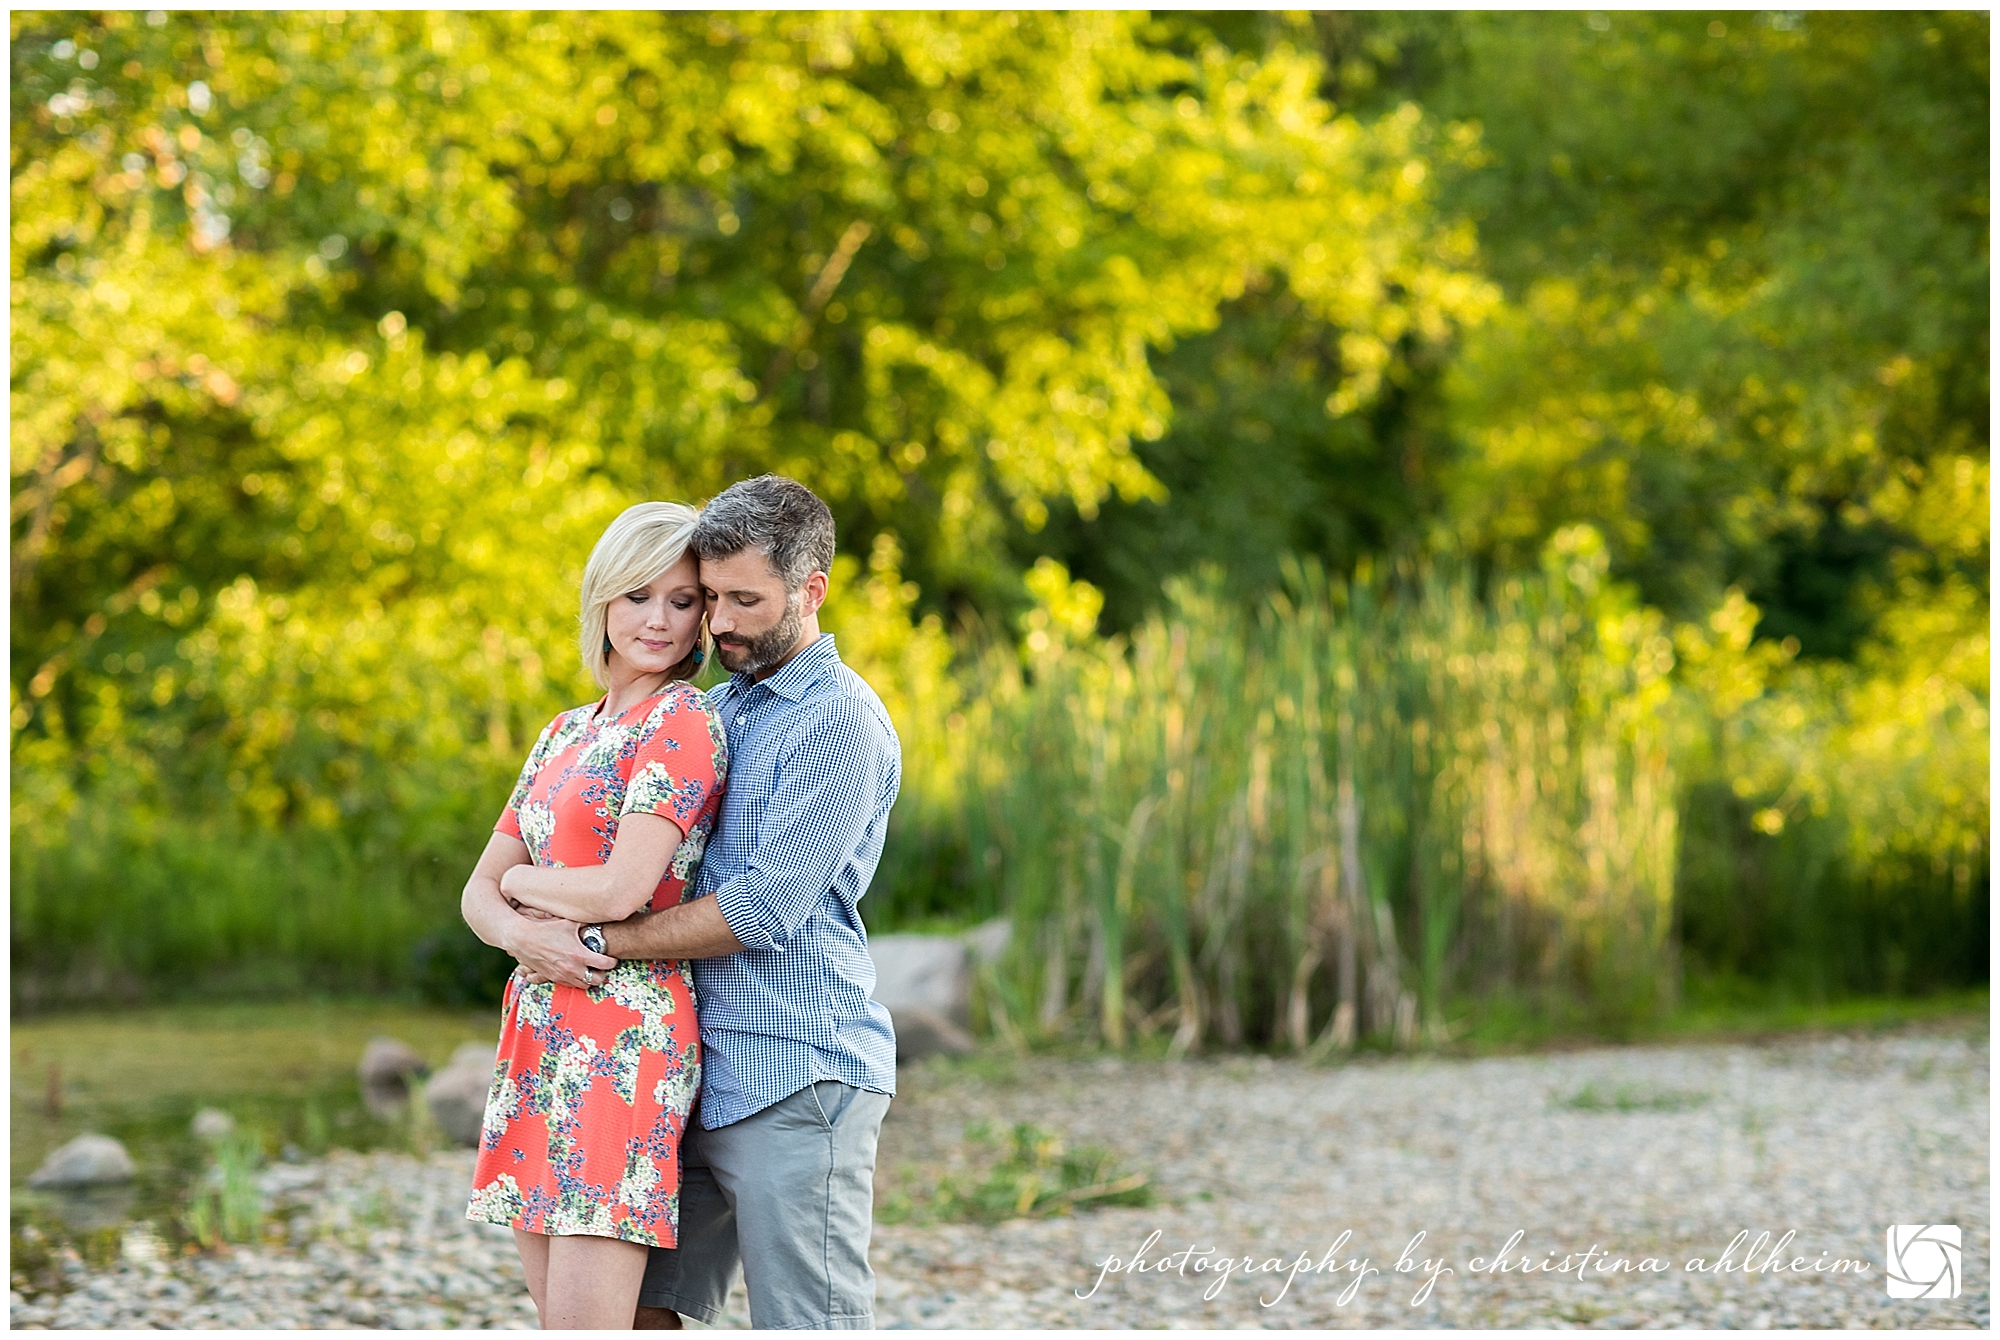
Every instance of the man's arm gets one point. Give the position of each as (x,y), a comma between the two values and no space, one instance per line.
(691,930)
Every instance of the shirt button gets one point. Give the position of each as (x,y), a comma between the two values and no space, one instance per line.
(740,718)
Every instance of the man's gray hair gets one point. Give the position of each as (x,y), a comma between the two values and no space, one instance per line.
(779,517)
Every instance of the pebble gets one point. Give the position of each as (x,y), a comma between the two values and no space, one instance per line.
(1664,1152)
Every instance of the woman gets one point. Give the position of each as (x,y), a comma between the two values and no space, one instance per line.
(580,1153)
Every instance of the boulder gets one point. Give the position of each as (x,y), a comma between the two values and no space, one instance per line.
(387,1063)
(922,972)
(456,1095)
(212,1123)
(482,1054)
(88,1160)
(926,981)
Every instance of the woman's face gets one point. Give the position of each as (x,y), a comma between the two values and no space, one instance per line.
(653,628)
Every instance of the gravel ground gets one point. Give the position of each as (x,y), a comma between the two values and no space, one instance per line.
(1660,1152)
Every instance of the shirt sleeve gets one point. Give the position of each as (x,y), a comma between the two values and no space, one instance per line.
(510,817)
(679,764)
(816,818)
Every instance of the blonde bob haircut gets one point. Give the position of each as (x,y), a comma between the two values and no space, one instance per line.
(642,543)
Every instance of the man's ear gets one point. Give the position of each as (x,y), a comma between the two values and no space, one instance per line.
(812,595)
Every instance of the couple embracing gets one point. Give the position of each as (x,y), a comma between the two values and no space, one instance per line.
(664,847)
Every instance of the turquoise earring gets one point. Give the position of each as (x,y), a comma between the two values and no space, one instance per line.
(607,646)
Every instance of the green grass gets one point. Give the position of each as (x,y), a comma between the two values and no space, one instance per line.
(1397,812)
(1747,1011)
(1323,822)
(1719,1011)
(226,1206)
(1631,1098)
(111,908)
(1028,1172)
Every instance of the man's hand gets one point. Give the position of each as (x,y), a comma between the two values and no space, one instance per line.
(549,950)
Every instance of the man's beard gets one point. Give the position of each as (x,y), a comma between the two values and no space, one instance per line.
(765,650)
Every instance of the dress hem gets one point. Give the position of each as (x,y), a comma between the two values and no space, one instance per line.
(573,1233)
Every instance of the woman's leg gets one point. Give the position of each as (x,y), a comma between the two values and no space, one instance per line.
(534,1249)
(593,1283)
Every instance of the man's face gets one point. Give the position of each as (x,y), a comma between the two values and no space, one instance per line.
(756,622)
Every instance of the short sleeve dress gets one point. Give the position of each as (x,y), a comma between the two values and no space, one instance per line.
(592,1087)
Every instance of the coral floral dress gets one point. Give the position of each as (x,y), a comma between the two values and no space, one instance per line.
(592,1087)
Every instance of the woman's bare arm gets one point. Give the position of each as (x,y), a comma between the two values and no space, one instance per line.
(546,946)
(608,892)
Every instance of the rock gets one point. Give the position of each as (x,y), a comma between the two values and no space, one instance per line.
(926,981)
(922,972)
(457,1101)
(388,1064)
(212,1123)
(482,1054)
(921,1032)
(387,1071)
(88,1160)
(456,1095)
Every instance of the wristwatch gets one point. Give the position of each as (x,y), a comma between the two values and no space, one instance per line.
(592,937)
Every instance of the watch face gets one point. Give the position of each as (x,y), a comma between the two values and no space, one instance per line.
(593,939)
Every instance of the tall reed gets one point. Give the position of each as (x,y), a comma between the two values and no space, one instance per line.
(1328,819)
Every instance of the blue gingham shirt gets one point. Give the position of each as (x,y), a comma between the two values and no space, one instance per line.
(814,765)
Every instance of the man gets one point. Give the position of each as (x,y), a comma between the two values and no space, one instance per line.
(798,1064)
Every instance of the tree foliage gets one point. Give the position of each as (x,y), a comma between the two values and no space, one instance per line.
(336,339)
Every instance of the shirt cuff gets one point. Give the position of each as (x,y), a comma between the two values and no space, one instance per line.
(741,912)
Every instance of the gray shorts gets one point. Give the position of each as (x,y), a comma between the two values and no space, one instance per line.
(790,1192)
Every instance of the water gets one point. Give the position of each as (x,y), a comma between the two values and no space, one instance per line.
(284,1072)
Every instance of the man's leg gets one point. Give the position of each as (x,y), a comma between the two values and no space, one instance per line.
(800,1176)
(693,1279)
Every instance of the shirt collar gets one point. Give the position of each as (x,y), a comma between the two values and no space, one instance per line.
(797,675)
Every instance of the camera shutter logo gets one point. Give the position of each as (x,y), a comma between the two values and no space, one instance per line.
(1923,1261)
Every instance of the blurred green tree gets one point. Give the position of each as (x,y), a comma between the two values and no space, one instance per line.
(337,337)
(1745,263)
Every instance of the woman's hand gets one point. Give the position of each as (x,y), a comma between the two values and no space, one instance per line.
(548,948)
(543,943)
